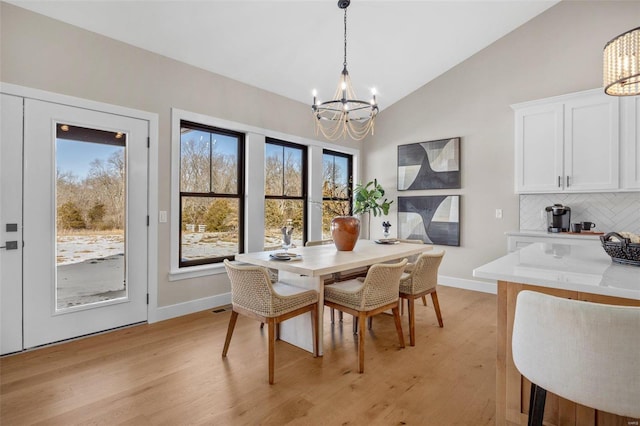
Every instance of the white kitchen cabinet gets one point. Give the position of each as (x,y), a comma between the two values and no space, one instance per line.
(568,143)
(630,147)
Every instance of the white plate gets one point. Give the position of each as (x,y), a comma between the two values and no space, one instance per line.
(386,241)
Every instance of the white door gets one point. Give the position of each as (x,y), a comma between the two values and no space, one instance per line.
(85,222)
(10,223)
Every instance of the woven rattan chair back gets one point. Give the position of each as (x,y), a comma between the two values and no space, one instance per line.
(251,289)
(381,285)
(425,272)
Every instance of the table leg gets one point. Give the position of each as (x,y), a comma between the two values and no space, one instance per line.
(297,330)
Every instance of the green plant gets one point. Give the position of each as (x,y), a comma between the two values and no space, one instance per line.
(368,198)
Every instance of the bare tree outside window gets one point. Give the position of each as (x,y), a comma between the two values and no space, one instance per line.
(211,192)
(337,181)
(285,191)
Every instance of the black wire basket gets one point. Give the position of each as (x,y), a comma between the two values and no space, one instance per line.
(622,251)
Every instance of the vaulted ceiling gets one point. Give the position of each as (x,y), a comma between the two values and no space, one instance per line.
(291,47)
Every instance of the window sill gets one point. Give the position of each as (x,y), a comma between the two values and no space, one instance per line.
(196,271)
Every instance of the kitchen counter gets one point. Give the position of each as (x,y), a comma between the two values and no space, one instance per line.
(565,266)
(573,271)
(533,233)
(519,239)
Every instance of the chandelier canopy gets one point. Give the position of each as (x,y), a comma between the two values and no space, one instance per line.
(622,64)
(344,114)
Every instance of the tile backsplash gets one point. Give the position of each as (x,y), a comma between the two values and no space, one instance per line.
(619,211)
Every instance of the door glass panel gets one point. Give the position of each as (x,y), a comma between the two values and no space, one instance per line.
(90,216)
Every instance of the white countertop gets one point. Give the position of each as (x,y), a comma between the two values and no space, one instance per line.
(570,267)
(534,233)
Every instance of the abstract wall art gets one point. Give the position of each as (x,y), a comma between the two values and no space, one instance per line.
(432,219)
(429,165)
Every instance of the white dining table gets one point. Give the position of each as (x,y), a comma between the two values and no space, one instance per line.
(316,262)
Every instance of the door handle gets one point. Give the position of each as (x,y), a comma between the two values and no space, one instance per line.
(567,181)
(10,245)
(559,181)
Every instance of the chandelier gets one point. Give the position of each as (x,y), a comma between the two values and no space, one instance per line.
(344,114)
(622,64)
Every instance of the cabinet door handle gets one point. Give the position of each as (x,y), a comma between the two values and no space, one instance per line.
(567,181)
(559,181)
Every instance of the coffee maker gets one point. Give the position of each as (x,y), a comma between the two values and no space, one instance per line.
(558,218)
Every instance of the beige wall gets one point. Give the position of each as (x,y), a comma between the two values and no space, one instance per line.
(558,52)
(46,54)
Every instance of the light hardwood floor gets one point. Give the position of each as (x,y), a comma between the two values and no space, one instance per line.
(172,373)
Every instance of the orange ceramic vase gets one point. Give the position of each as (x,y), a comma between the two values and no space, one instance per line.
(345,231)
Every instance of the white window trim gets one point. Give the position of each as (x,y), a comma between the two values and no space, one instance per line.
(254,176)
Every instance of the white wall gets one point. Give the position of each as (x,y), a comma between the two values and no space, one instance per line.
(558,52)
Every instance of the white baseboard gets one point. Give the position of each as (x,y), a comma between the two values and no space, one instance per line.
(193,306)
(482,286)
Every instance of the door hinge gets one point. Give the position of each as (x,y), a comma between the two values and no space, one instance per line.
(148,142)
(147,220)
(147,298)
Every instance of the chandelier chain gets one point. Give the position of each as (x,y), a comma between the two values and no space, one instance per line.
(345,38)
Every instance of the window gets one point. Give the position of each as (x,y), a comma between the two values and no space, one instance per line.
(337,179)
(211,194)
(285,174)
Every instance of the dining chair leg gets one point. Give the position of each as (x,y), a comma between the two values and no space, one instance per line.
(412,321)
(355,325)
(332,315)
(314,329)
(232,325)
(361,320)
(272,348)
(396,317)
(536,405)
(436,306)
(424,300)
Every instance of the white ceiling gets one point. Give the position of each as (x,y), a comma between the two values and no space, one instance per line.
(291,47)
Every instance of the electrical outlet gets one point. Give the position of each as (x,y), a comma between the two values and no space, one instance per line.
(498,213)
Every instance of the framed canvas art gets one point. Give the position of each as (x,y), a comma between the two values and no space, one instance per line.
(432,219)
(429,165)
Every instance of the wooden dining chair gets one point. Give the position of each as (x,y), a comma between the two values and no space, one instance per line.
(255,296)
(364,298)
(339,276)
(588,353)
(411,263)
(422,280)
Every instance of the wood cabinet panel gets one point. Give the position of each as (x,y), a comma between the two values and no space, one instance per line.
(512,399)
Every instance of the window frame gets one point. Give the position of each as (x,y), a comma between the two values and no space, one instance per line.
(349,158)
(305,183)
(239,195)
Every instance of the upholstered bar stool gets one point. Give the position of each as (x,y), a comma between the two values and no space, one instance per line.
(422,280)
(588,353)
(377,293)
(255,296)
